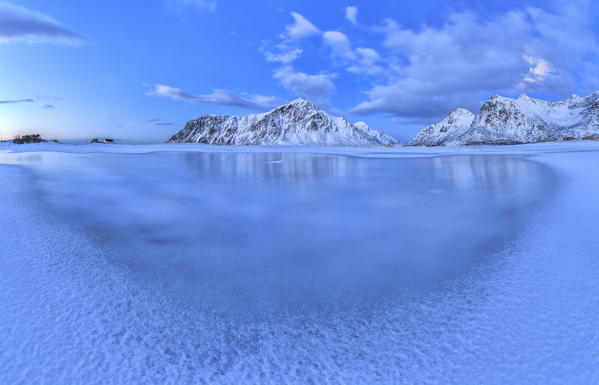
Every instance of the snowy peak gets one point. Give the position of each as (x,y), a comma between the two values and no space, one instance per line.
(525,97)
(504,120)
(461,111)
(297,109)
(299,122)
(446,131)
(297,104)
(300,103)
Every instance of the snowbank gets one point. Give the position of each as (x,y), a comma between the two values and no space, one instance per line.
(376,151)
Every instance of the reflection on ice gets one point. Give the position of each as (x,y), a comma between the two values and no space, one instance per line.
(271,231)
(496,172)
(301,167)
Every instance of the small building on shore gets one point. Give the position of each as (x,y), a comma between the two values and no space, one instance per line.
(106,140)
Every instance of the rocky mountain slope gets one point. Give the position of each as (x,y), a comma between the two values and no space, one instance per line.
(296,123)
(446,131)
(512,121)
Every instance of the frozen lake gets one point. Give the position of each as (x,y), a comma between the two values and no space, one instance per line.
(280,232)
(206,267)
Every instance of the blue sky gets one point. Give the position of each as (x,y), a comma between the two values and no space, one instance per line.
(139,70)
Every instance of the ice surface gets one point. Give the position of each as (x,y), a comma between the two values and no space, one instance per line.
(297,267)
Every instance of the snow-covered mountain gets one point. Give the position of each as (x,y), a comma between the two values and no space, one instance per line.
(296,123)
(446,131)
(373,134)
(512,121)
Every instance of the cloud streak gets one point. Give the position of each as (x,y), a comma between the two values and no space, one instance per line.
(159,122)
(21,24)
(16,101)
(218,96)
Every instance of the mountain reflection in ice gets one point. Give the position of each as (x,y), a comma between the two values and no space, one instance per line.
(496,172)
(260,232)
(301,167)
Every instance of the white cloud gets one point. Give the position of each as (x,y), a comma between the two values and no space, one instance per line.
(285,56)
(339,44)
(22,24)
(539,69)
(218,96)
(435,69)
(301,27)
(318,88)
(287,50)
(351,13)
(363,61)
(368,62)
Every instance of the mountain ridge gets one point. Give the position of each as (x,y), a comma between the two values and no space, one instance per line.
(502,120)
(299,122)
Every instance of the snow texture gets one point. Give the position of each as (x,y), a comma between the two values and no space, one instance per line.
(296,123)
(93,266)
(514,121)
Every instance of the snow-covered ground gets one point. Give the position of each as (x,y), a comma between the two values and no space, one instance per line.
(102,280)
(365,151)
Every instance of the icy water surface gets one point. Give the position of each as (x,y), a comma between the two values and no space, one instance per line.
(276,231)
(271,267)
